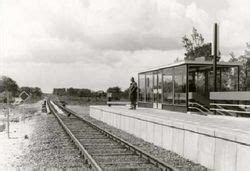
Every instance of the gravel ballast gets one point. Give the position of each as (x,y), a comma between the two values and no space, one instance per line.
(50,147)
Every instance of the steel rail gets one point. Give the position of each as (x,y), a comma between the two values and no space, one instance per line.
(88,158)
(151,159)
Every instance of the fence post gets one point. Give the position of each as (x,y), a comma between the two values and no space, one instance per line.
(8,113)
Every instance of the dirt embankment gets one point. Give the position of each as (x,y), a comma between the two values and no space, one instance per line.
(36,141)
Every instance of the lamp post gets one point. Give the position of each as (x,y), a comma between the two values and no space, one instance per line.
(215,55)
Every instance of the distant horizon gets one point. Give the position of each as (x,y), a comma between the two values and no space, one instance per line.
(61,87)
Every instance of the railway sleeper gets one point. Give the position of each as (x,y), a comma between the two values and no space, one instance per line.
(101,145)
(119,158)
(84,132)
(109,151)
(111,154)
(69,120)
(91,137)
(79,124)
(128,163)
(105,150)
(128,166)
(133,168)
(96,141)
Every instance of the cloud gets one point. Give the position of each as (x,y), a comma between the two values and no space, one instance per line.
(234,25)
(96,76)
(133,42)
(51,29)
(108,40)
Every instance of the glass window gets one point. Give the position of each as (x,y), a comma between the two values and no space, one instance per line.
(180,85)
(229,79)
(155,87)
(191,80)
(149,87)
(160,87)
(141,87)
(211,80)
(200,83)
(168,86)
(200,79)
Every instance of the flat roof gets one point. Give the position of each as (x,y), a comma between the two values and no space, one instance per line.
(185,62)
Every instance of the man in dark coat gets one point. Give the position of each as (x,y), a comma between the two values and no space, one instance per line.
(133,93)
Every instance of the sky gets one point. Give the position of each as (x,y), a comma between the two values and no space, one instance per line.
(97,44)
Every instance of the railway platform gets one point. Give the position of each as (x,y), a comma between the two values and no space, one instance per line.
(217,142)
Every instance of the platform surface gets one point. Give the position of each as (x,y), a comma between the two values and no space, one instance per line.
(226,123)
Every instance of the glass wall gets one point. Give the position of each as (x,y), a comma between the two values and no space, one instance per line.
(229,80)
(149,87)
(200,82)
(155,87)
(180,85)
(168,85)
(141,87)
(160,86)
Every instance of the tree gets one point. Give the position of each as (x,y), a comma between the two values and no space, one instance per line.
(59,91)
(232,57)
(125,93)
(116,92)
(10,85)
(195,46)
(243,70)
(71,91)
(33,91)
(99,94)
(84,92)
(37,92)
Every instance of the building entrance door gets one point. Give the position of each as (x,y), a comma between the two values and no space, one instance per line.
(157,90)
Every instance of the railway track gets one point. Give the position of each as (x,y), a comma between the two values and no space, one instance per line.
(102,150)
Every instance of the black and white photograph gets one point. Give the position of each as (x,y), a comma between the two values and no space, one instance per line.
(125,85)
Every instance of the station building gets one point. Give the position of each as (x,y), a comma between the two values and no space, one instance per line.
(175,86)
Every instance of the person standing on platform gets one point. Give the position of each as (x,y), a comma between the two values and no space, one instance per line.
(133,93)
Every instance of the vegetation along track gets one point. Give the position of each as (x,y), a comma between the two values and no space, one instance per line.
(103,150)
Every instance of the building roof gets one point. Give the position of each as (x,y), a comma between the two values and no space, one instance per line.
(193,62)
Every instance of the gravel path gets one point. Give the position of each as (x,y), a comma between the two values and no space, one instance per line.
(50,147)
(165,155)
